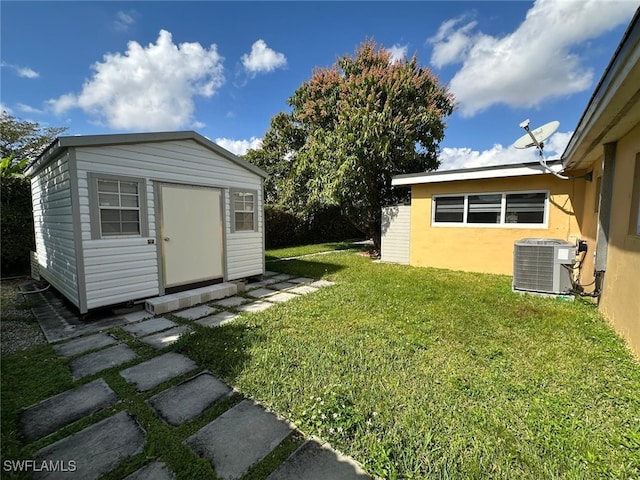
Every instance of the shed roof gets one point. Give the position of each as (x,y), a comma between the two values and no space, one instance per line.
(60,144)
(493,171)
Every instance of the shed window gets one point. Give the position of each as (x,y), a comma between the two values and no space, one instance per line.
(492,209)
(117,206)
(244,211)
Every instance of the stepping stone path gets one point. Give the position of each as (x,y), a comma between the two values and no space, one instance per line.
(101,360)
(239,438)
(95,450)
(164,339)
(233,443)
(150,374)
(185,401)
(65,408)
(84,344)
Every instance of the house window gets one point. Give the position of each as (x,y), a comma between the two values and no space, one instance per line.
(525,207)
(244,211)
(117,206)
(492,209)
(449,209)
(484,208)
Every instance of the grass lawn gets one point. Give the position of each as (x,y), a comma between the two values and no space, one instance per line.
(424,373)
(288,252)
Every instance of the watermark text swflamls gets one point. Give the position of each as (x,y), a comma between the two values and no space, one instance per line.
(39,466)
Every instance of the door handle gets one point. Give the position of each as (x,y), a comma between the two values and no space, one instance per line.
(166,239)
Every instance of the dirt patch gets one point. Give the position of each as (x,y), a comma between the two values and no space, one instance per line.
(19,328)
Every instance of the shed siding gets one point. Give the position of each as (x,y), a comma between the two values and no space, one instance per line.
(396,232)
(133,259)
(53,221)
(245,253)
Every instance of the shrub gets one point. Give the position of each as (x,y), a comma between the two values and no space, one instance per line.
(17,225)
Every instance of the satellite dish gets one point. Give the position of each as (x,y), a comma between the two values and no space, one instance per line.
(538,135)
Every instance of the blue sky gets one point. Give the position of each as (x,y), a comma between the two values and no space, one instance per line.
(225,68)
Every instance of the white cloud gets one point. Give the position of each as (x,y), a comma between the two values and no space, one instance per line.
(450,46)
(262,59)
(24,72)
(454,158)
(398,52)
(28,108)
(533,63)
(124,20)
(148,88)
(5,108)
(239,147)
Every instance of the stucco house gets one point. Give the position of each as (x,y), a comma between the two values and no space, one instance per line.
(470,219)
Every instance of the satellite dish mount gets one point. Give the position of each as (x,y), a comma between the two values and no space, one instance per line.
(537,138)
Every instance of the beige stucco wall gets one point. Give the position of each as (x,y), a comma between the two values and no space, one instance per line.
(620,301)
(489,249)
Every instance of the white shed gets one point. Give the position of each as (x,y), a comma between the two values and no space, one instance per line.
(131,216)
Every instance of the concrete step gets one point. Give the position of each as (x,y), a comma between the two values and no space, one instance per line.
(189,298)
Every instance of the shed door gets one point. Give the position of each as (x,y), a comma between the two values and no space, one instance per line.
(191,234)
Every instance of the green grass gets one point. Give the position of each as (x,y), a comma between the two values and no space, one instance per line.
(416,373)
(424,373)
(289,252)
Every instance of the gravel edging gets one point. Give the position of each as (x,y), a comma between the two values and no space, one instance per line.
(19,328)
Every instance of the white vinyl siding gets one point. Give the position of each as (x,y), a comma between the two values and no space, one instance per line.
(53,222)
(245,254)
(184,162)
(396,233)
(529,209)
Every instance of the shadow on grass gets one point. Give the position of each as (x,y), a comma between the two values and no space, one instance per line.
(305,267)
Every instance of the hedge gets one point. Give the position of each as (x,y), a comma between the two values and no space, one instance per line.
(16,226)
(284,228)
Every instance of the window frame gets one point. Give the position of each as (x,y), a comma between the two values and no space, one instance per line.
(503,210)
(95,209)
(232,208)
(634,214)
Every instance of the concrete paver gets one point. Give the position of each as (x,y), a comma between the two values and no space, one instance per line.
(195,312)
(254,307)
(150,374)
(283,285)
(185,401)
(282,277)
(95,450)
(261,283)
(317,461)
(322,283)
(269,273)
(137,316)
(152,471)
(164,339)
(239,438)
(84,344)
(232,301)
(260,292)
(217,319)
(301,280)
(101,360)
(281,297)
(303,290)
(149,326)
(65,408)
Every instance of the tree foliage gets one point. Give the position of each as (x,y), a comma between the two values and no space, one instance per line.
(21,139)
(352,127)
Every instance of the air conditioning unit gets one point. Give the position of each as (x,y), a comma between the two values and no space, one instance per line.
(543,265)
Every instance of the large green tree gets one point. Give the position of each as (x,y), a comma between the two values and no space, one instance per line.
(355,125)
